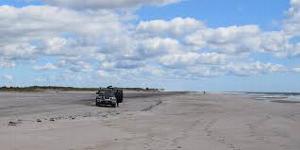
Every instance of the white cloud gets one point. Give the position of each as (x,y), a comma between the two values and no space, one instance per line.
(55,45)
(238,69)
(17,50)
(75,65)
(230,40)
(192,58)
(127,64)
(159,46)
(4,63)
(292,23)
(81,66)
(41,29)
(45,67)
(204,71)
(175,27)
(296,69)
(101,39)
(276,41)
(233,39)
(247,69)
(104,4)
(296,49)
(7,77)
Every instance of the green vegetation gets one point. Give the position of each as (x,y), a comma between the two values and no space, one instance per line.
(58,88)
(43,88)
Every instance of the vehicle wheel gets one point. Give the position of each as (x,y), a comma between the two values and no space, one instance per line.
(114,105)
(99,104)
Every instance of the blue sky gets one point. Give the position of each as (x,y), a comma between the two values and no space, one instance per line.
(217,13)
(237,45)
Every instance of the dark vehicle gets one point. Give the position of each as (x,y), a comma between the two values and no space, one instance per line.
(109,97)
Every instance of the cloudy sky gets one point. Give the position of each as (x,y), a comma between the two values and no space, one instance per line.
(211,45)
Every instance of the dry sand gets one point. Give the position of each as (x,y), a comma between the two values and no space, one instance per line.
(146,121)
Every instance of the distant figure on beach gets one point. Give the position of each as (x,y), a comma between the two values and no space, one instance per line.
(204,92)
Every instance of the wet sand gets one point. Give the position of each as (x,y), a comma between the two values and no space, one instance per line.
(157,121)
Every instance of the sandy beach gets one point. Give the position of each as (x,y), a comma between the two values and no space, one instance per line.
(148,121)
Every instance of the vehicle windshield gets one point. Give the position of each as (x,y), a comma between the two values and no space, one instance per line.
(108,94)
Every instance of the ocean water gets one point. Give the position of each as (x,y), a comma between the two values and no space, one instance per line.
(294,98)
(275,97)
(281,97)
